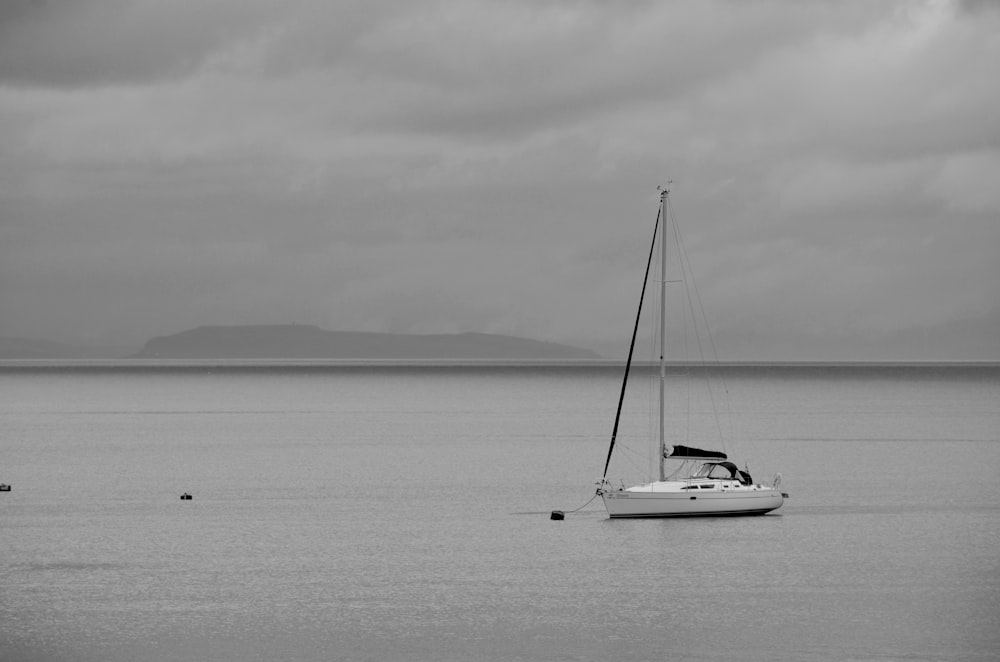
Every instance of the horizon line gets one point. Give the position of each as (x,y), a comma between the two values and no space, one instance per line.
(278,362)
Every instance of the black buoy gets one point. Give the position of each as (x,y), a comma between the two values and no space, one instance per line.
(557,514)
(185,497)
(4,487)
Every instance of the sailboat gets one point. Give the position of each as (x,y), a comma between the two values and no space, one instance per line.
(703,482)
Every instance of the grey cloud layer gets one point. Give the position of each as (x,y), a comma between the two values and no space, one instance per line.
(443,166)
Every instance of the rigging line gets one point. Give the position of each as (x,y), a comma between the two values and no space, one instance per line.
(711,341)
(631,347)
(684,312)
(694,283)
(631,462)
(715,354)
(637,460)
(686,269)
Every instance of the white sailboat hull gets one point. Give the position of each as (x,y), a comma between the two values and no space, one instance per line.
(650,502)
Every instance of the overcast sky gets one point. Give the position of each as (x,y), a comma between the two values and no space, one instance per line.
(437,167)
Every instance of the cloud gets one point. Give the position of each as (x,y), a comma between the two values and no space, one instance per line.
(84,43)
(446,166)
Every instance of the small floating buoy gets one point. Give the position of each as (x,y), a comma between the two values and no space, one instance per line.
(185,497)
(4,487)
(557,514)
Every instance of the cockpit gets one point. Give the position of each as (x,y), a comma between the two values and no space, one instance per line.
(723,471)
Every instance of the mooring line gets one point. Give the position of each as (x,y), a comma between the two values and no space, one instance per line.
(561,514)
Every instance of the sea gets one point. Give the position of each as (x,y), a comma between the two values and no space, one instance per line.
(403,512)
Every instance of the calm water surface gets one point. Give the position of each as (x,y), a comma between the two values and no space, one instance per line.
(403,514)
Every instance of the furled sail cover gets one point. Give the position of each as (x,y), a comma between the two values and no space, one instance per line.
(689,453)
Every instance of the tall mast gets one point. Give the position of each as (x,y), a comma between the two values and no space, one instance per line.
(664,194)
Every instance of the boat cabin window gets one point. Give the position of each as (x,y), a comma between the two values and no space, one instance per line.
(719,470)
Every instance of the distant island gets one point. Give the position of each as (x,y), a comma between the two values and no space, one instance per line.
(298,341)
